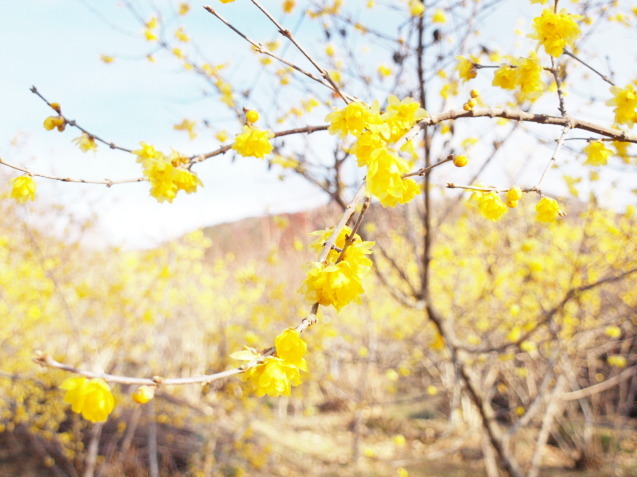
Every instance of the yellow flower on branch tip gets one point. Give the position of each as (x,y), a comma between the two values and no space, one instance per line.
(85,142)
(252,116)
(401,116)
(625,102)
(597,153)
(23,189)
(514,193)
(548,210)
(416,8)
(555,31)
(147,151)
(91,398)
(253,142)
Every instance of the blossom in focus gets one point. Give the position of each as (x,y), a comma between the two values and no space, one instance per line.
(555,31)
(85,142)
(90,398)
(597,153)
(253,142)
(625,102)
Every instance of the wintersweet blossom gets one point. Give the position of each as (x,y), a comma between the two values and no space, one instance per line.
(23,189)
(466,68)
(143,394)
(555,31)
(597,153)
(490,204)
(274,377)
(333,284)
(91,398)
(353,119)
(291,348)
(625,102)
(384,179)
(85,142)
(253,142)
(548,210)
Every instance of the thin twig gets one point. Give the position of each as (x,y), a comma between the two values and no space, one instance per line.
(560,143)
(601,75)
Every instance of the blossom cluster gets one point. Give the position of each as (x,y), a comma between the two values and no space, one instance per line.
(523,75)
(277,374)
(375,133)
(338,280)
(167,174)
(492,206)
(555,30)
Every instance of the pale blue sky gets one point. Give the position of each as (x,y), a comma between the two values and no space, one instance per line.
(56,46)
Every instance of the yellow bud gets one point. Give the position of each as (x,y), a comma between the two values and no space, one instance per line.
(252,116)
(460,161)
(475,93)
(512,204)
(56,107)
(514,193)
(143,394)
(472,102)
(467,107)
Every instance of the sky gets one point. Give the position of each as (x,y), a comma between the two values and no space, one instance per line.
(56,46)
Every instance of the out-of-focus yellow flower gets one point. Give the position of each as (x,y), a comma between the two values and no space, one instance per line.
(625,102)
(439,17)
(183,8)
(466,68)
(85,142)
(617,361)
(23,189)
(53,122)
(143,394)
(548,210)
(416,8)
(384,71)
(252,116)
(288,6)
(181,35)
(187,125)
(107,59)
(90,398)
(597,153)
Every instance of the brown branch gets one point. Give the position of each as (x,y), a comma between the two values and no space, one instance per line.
(603,386)
(518,115)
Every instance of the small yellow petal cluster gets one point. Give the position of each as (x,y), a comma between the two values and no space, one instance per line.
(167,174)
(277,374)
(23,189)
(91,398)
(253,142)
(548,210)
(85,142)
(625,102)
(288,6)
(338,283)
(439,17)
(514,194)
(466,68)
(523,74)
(490,204)
(375,132)
(555,31)
(53,122)
(617,361)
(597,153)
(149,32)
(187,125)
(416,8)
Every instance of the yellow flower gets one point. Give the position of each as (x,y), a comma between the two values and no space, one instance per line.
(291,348)
(597,153)
(288,6)
(514,194)
(466,68)
(401,116)
(227,1)
(54,122)
(352,119)
(147,151)
(617,360)
(416,8)
(490,205)
(384,179)
(506,77)
(107,59)
(91,398)
(23,189)
(625,102)
(384,71)
(222,136)
(555,31)
(253,142)
(548,210)
(439,17)
(181,35)
(252,116)
(274,377)
(187,125)
(85,142)
(183,8)
(333,284)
